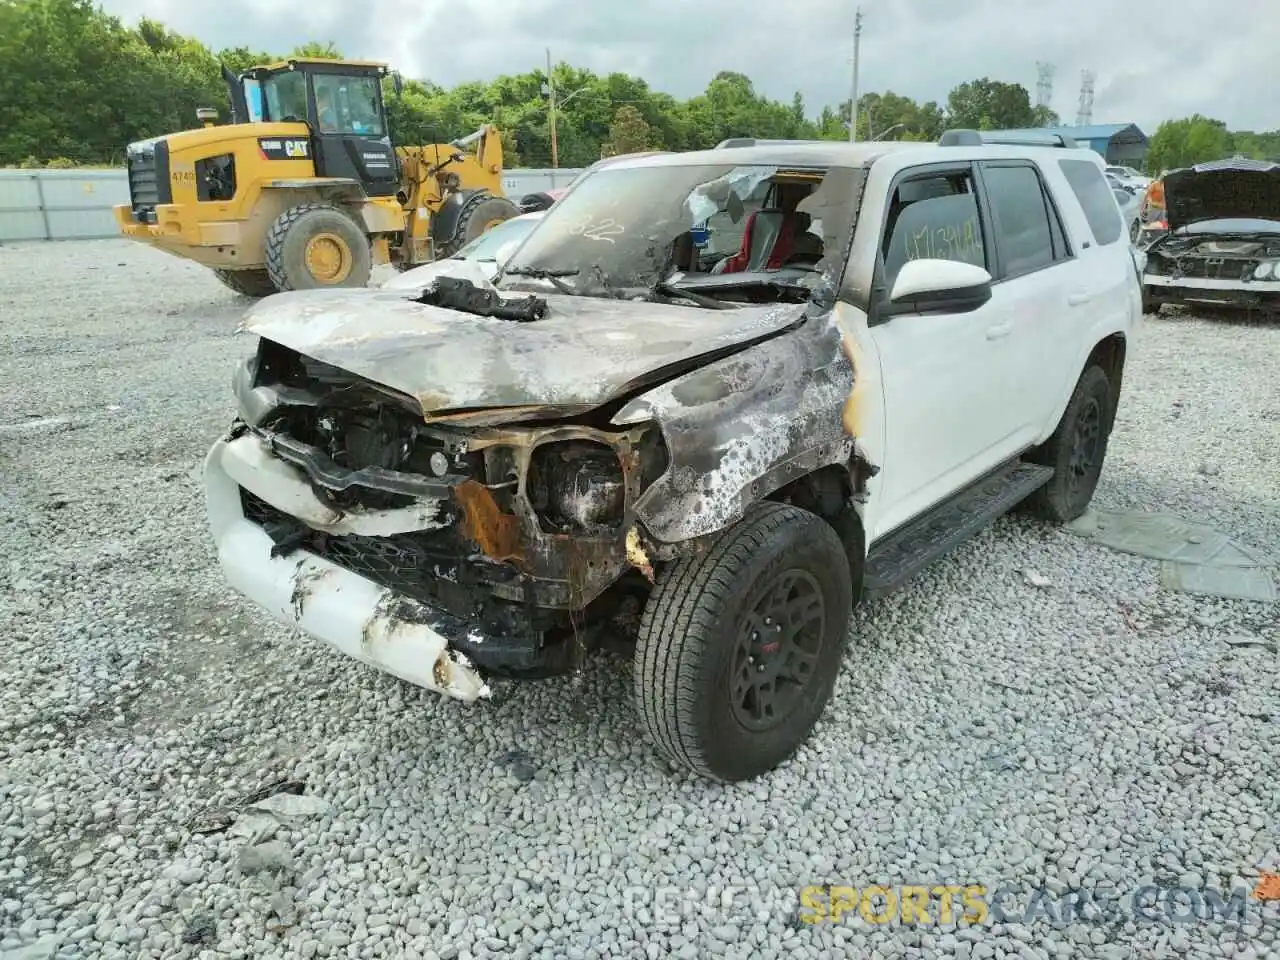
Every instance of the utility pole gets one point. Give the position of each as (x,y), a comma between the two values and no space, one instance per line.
(853,85)
(551,103)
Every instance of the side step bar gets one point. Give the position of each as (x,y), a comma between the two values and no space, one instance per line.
(912,547)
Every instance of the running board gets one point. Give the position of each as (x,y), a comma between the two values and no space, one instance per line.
(912,547)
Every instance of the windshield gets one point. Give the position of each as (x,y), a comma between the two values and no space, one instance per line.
(489,244)
(620,229)
(286,96)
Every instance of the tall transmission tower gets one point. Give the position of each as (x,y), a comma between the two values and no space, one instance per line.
(1044,83)
(1085,115)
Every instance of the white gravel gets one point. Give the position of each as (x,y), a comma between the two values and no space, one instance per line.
(1034,711)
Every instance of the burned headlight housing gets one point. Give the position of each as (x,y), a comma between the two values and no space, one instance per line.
(576,486)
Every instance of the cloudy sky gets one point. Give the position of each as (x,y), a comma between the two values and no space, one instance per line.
(1152,60)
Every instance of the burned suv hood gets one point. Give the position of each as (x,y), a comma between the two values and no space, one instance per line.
(584,352)
(1223,190)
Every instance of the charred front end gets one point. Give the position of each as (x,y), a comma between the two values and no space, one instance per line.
(510,541)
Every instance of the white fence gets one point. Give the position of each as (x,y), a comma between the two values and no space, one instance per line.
(76,204)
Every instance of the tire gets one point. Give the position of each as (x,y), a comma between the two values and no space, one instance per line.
(690,635)
(340,251)
(482,211)
(1149,306)
(247,283)
(1076,450)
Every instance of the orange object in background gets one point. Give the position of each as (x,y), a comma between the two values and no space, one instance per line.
(1268,887)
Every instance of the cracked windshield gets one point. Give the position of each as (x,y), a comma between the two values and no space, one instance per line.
(745,233)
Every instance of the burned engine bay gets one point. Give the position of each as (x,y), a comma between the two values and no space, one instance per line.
(527,529)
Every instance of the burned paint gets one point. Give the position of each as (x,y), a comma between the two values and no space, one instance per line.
(587,351)
(304,582)
(850,417)
(742,427)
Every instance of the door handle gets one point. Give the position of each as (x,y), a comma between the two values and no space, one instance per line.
(999,330)
(1076,299)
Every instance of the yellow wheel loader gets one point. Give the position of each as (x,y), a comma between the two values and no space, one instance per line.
(304,188)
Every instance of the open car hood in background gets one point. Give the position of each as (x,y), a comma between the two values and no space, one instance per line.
(584,352)
(1223,190)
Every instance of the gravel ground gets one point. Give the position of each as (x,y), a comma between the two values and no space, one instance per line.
(1094,733)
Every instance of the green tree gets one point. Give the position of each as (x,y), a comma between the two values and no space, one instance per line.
(629,133)
(315,50)
(1190,140)
(1044,117)
(986,104)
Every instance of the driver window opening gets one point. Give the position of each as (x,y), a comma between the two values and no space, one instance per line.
(286,96)
(933,217)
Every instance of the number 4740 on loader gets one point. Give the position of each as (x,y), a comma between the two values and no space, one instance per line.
(306,189)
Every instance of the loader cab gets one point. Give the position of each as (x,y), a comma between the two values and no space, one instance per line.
(341,101)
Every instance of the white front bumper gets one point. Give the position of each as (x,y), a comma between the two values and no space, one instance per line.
(349,612)
(1208,283)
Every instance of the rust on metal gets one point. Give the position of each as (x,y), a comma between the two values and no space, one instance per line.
(497,534)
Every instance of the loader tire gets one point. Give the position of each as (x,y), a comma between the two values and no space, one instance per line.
(482,212)
(316,245)
(247,283)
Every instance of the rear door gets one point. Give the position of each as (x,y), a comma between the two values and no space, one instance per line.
(1042,286)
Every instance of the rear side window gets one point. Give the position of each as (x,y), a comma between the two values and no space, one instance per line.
(1028,234)
(1090,188)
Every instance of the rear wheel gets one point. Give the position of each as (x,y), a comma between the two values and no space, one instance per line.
(317,245)
(739,646)
(1076,450)
(483,212)
(247,283)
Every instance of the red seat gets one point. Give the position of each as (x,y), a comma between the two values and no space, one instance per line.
(783,239)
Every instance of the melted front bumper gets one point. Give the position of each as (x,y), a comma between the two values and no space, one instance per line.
(365,621)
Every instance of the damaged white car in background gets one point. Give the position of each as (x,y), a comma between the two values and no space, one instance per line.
(1223,243)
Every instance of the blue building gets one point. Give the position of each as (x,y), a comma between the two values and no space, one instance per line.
(1121,144)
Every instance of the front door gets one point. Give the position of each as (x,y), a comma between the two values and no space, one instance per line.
(351,138)
(949,379)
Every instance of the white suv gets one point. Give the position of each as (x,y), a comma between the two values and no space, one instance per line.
(712,401)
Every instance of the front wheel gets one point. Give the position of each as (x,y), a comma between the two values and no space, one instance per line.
(317,245)
(1076,450)
(247,283)
(739,647)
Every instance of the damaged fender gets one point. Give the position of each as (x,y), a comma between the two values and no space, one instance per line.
(744,426)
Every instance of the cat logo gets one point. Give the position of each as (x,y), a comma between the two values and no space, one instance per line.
(274,148)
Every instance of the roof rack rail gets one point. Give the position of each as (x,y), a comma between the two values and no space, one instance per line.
(977,138)
(754,142)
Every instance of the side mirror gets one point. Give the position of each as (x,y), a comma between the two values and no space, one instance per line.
(930,286)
